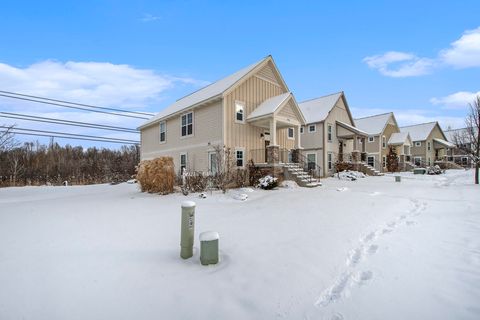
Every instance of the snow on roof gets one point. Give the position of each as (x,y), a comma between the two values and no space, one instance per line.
(419,132)
(203,94)
(351,128)
(373,124)
(269,106)
(317,109)
(444,142)
(398,138)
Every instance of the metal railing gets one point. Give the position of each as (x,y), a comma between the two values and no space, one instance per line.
(313,169)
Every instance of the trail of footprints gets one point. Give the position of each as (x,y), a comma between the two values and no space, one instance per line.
(354,277)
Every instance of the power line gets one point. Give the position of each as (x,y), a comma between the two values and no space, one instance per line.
(67,134)
(73,138)
(77,104)
(65,122)
(72,107)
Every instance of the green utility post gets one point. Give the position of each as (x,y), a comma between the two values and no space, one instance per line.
(188,229)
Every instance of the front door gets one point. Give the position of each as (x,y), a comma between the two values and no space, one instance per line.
(371,161)
(311,161)
(267,143)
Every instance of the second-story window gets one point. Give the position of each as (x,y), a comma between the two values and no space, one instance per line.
(384,142)
(371,139)
(312,128)
(187,124)
(163,131)
(329,133)
(429,147)
(301,129)
(239,112)
(290,133)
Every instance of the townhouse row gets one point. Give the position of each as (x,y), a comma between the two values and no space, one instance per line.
(254,114)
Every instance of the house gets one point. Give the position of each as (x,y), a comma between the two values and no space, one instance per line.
(458,155)
(250,112)
(330,134)
(429,143)
(383,133)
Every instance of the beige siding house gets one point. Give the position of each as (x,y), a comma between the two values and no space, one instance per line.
(251,112)
(429,143)
(383,133)
(330,134)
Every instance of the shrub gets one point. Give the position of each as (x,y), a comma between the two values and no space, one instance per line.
(157,175)
(267,183)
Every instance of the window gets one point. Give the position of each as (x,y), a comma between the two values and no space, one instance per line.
(239,155)
(212,159)
(290,133)
(183,162)
(329,161)
(384,142)
(429,163)
(329,132)
(429,147)
(371,139)
(384,161)
(239,112)
(301,129)
(187,124)
(311,161)
(371,161)
(417,161)
(418,144)
(163,131)
(312,128)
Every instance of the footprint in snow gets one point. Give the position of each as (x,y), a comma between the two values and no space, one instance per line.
(372,249)
(355,257)
(369,237)
(364,276)
(411,223)
(337,316)
(385,231)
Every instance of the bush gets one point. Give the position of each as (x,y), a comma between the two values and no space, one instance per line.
(267,183)
(157,175)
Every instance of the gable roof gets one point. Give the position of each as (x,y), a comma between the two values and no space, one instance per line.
(212,91)
(375,124)
(317,109)
(420,132)
(270,106)
(399,138)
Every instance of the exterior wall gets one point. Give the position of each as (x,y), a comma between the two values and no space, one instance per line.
(313,142)
(207,122)
(428,156)
(252,92)
(387,132)
(373,147)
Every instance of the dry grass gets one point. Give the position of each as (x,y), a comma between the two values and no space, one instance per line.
(157,175)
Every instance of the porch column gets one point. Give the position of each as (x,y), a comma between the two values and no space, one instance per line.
(355,152)
(273,131)
(298,144)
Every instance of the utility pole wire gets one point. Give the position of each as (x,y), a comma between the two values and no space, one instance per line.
(75,103)
(64,122)
(73,138)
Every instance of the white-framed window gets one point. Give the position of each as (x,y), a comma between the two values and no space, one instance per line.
(301,129)
(239,112)
(212,162)
(291,133)
(183,162)
(187,124)
(240,157)
(418,143)
(384,161)
(429,146)
(329,132)
(371,139)
(311,161)
(330,160)
(163,131)
(384,142)
(417,161)
(371,161)
(312,128)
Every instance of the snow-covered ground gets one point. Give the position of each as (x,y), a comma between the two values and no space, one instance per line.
(366,249)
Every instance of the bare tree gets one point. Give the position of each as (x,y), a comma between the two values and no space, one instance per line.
(7,140)
(468,140)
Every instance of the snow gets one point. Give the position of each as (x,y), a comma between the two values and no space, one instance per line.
(316,110)
(269,106)
(373,124)
(398,138)
(209,236)
(377,250)
(351,128)
(188,204)
(419,132)
(445,143)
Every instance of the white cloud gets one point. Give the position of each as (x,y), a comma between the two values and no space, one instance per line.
(457,100)
(400,64)
(465,52)
(147,17)
(462,53)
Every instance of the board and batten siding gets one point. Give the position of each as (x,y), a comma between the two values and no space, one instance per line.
(207,128)
(252,92)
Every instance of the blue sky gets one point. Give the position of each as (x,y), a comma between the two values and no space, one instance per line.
(418,59)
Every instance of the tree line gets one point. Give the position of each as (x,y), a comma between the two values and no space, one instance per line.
(38,164)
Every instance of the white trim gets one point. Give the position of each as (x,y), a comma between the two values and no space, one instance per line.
(314,128)
(302,129)
(243,158)
(193,125)
(329,125)
(209,153)
(241,104)
(288,133)
(418,143)
(160,131)
(268,80)
(310,153)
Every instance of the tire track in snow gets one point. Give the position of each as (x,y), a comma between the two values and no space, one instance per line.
(366,247)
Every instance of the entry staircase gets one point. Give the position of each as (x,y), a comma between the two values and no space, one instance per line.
(368,169)
(293,171)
